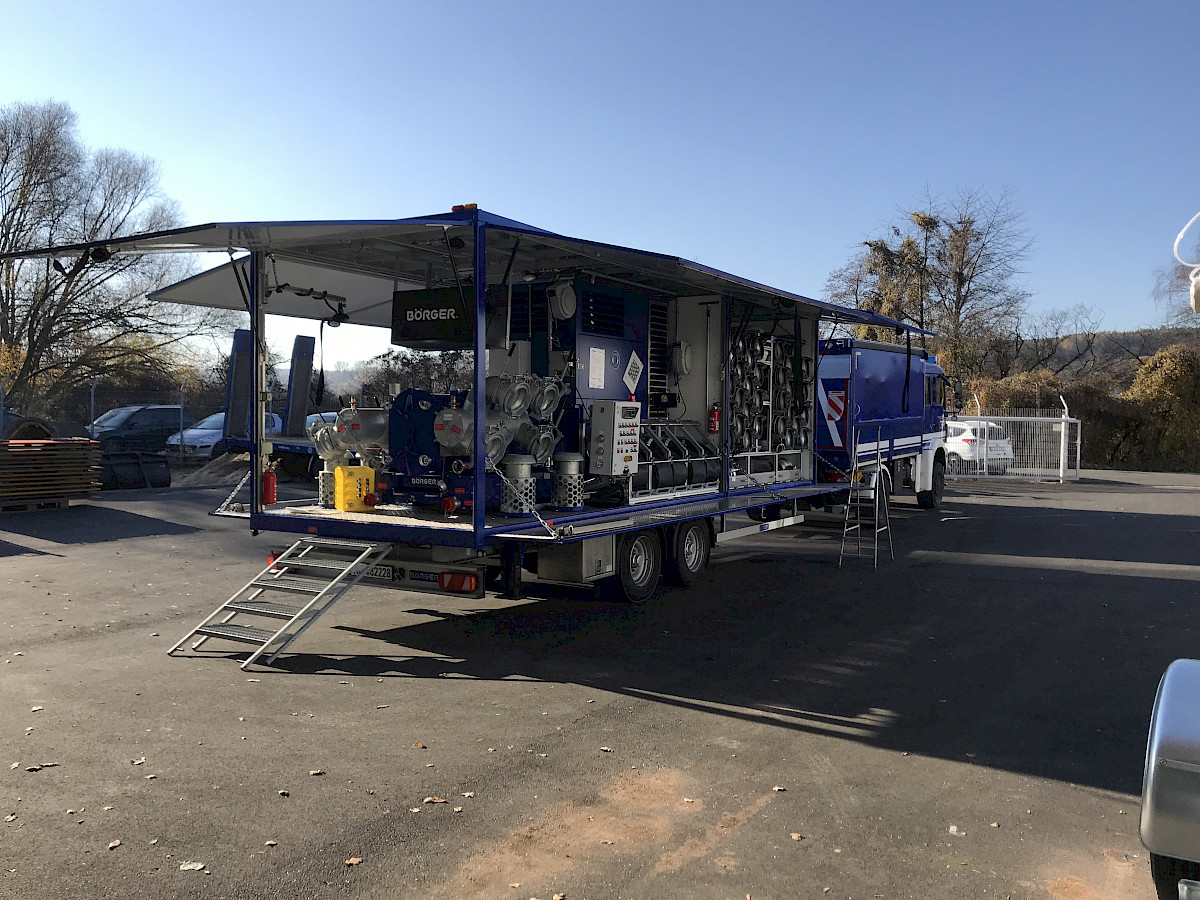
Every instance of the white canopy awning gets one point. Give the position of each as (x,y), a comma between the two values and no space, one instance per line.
(301,290)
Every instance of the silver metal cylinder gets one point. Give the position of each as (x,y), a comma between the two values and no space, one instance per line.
(520,489)
(568,481)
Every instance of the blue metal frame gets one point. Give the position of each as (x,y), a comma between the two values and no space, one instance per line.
(479,413)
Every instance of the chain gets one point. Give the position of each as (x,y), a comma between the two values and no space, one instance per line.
(491,468)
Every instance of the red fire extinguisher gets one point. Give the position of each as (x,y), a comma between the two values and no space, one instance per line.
(714,420)
(268,492)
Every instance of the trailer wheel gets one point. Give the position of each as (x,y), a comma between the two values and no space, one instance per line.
(688,558)
(932,499)
(1167,871)
(638,564)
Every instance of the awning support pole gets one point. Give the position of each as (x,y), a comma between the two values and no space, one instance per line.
(258,325)
(479,412)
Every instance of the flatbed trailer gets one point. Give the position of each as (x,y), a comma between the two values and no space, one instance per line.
(627,410)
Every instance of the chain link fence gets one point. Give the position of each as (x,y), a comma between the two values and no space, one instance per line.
(83,405)
(1029,444)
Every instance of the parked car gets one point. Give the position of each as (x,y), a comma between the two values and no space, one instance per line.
(206,439)
(142,428)
(1170,824)
(966,451)
(318,418)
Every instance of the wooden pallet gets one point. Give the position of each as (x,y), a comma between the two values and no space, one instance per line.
(29,505)
(50,472)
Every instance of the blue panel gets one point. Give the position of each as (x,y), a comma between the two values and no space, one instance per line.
(299,377)
(617,353)
(239,385)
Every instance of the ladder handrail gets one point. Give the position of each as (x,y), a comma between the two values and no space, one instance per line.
(858,492)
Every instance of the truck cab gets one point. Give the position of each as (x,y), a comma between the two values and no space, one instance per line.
(882,405)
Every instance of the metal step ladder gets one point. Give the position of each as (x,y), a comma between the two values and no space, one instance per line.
(295,588)
(867,514)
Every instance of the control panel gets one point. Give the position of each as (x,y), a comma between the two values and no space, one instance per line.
(613,443)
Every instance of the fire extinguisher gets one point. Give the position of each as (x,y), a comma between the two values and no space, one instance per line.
(714,420)
(268,492)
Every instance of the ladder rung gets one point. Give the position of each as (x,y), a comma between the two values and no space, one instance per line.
(307,562)
(244,633)
(264,608)
(336,542)
(295,583)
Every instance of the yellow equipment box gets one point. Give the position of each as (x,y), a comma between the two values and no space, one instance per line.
(352,486)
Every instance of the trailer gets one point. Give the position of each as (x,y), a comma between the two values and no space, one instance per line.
(882,414)
(626,411)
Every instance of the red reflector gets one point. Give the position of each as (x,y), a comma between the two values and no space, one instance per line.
(456,581)
(356,426)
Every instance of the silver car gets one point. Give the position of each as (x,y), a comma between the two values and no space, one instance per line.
(1170,826)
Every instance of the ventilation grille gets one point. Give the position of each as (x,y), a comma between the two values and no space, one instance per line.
(660,349)
(526,305)
(602,314)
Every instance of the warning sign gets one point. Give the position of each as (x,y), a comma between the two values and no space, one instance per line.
(633,372)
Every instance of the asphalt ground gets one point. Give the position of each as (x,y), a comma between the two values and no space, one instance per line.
(966,721)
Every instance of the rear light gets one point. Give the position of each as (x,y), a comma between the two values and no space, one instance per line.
(456,581)
(970,440)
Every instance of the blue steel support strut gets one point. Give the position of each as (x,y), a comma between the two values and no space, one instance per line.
(479,412)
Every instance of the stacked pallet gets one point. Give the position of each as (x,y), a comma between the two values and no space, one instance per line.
(38,474)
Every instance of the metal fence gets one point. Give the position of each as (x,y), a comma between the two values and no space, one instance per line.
(1029,444)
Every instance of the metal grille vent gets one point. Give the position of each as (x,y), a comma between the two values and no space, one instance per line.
(660,349)
(527,305)
(602,314)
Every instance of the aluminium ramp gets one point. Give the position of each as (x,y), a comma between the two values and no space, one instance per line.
(295,588)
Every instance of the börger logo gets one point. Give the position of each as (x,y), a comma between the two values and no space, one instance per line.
(425,315)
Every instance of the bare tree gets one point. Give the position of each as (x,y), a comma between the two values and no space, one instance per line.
(954,268)
(66,320)
(1061,341)
(436,371)
(1172,293)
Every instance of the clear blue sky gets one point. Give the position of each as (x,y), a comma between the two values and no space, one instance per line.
(767,139)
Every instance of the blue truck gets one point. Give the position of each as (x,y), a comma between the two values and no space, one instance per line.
(882,410)
(627,410)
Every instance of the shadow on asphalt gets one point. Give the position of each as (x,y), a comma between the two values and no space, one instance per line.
(7,548)
(1034,669)
(85,524)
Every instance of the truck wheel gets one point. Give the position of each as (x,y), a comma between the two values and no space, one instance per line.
(932,499)
(1167,871)
(954,464)
(688,557)
(639,566)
